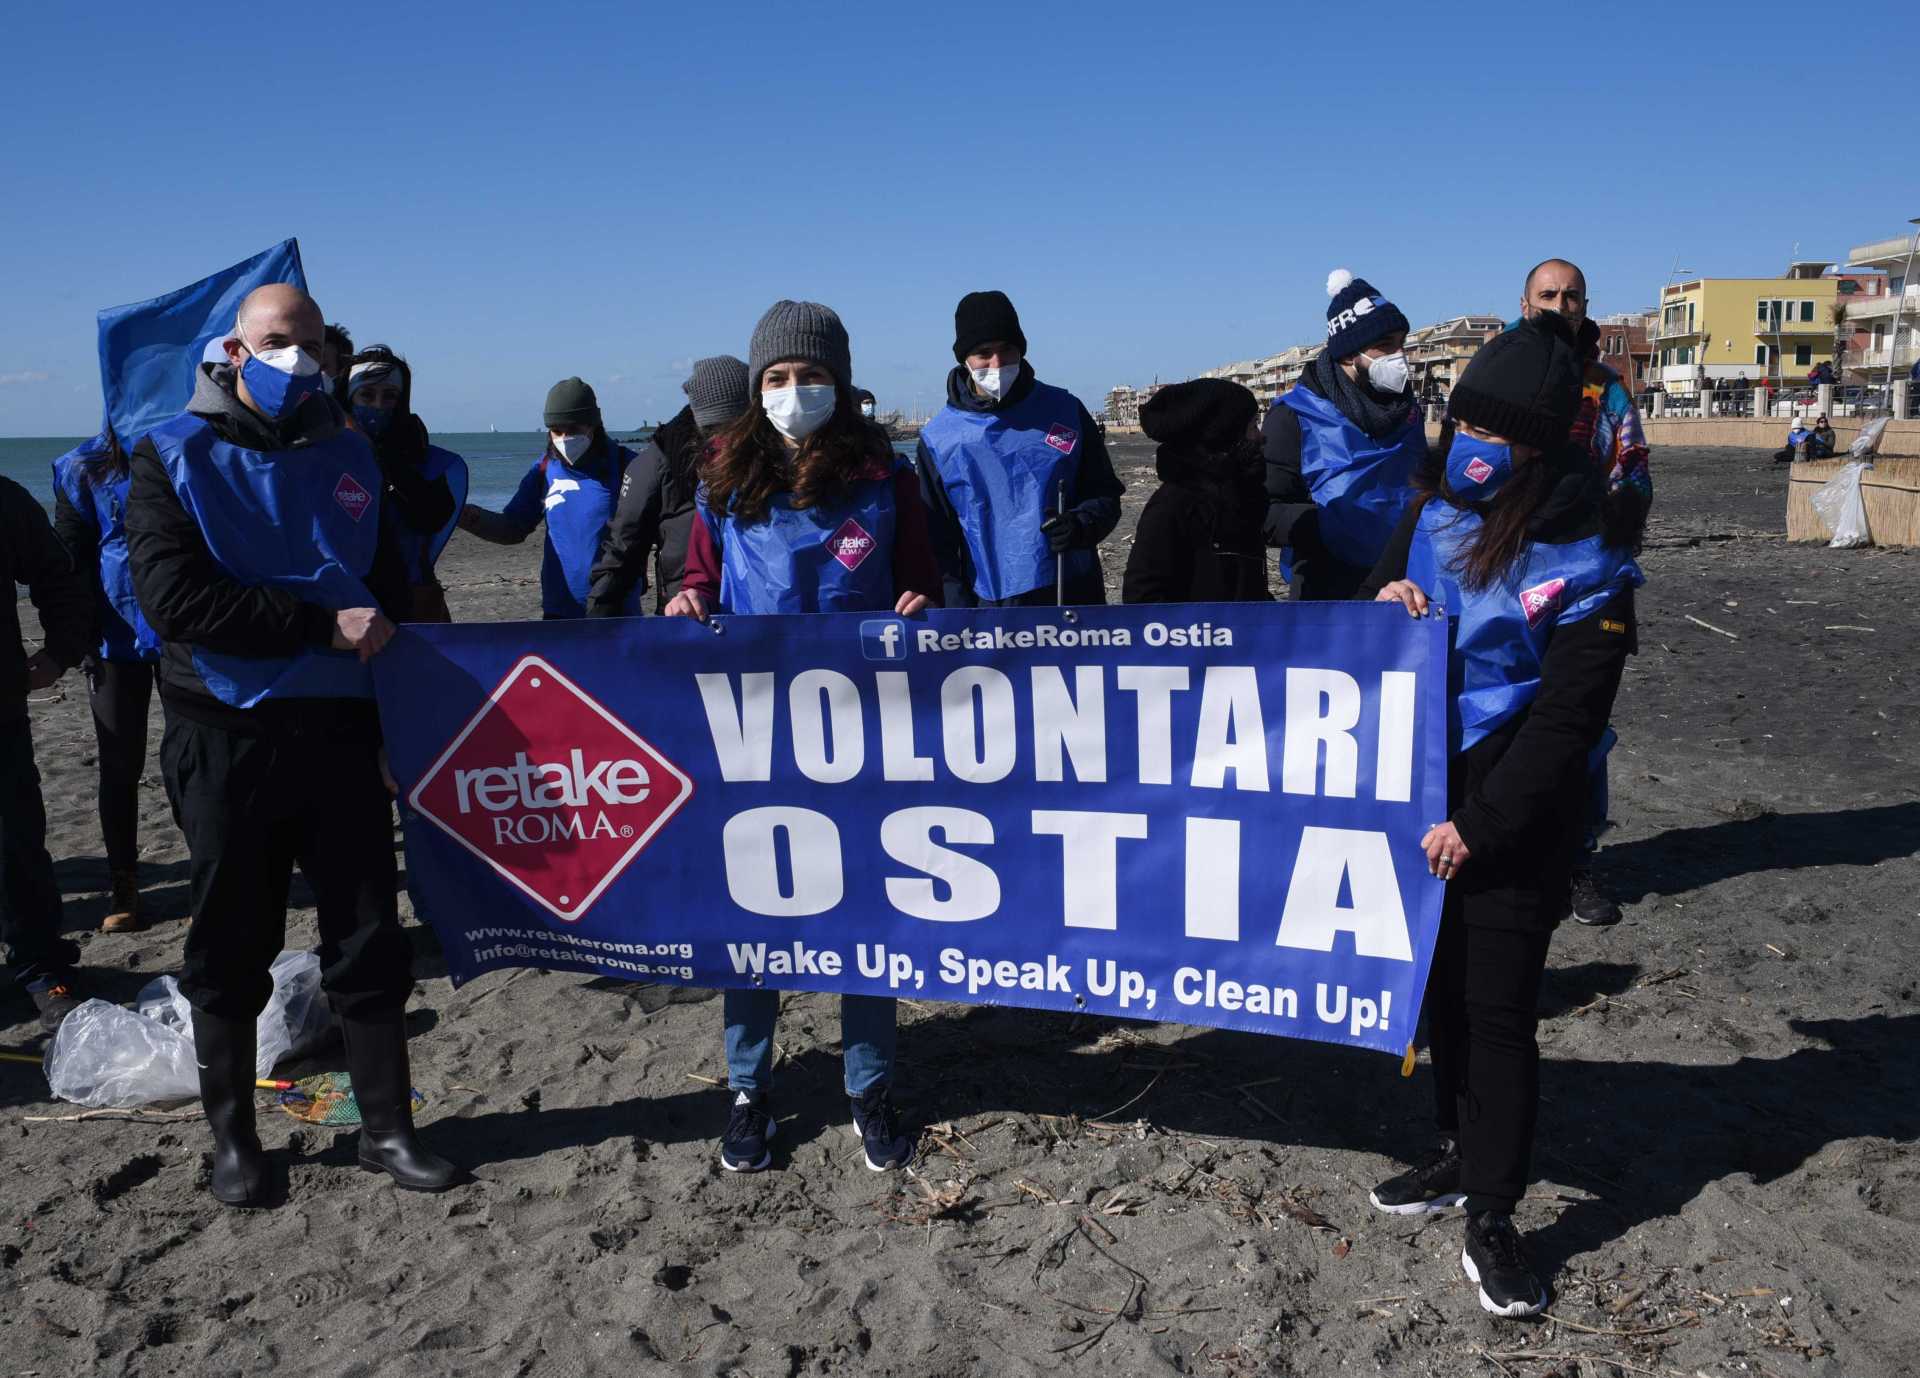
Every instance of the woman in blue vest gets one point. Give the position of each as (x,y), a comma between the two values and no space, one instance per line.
(379,392)
(574,487)
(803,507)
(1015,473)
(89,514)
(1342,446)
(1515,541)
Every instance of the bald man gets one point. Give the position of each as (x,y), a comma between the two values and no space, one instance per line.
(1608,425)
(259,554)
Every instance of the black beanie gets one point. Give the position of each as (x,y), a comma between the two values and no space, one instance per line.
(1357,316)
(1524,383)
(1210,415)
(984,316)
(571,402)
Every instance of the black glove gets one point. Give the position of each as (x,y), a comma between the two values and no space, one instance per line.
(1062,531)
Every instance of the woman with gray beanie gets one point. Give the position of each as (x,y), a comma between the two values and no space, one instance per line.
(803,507)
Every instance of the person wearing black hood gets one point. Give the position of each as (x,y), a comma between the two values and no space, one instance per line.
(1511,537)
(1342,446)
(656,510)
(1015,474)
(572,487)
(426,482)
(1199,537)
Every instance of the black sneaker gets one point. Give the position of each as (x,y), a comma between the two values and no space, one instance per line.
(1495,1258)
(746,1146)
(54,999)
(1592,905)
(878,1125)
(1433,1185)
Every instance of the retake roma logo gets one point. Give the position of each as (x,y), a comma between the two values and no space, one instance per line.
(851,544)
(1541,599)
(1479,470)
(550,789)
(352,496)
(1063,438)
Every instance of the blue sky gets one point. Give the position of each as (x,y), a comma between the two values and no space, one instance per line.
(510,194)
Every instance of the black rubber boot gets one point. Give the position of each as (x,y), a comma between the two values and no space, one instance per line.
(383,1086)
(224,1049)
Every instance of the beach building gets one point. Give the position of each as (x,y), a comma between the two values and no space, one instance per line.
(1437,354)
(1763,329)
(1871,315)
(1124,403)
(1626,346)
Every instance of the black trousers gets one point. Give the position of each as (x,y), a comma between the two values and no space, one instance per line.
(1482,1011)
(121,693)
(254,807)
(30,939)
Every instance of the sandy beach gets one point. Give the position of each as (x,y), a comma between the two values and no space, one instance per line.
(1726,1144)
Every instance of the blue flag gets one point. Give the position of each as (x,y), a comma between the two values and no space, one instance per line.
(150,350)
(1208,813)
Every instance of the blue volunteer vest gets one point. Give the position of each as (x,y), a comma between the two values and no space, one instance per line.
(579,504)
(422,552)
(305,521)
(834,558)
(1003,472)
(1359,484)
(1500,633)
(125,634)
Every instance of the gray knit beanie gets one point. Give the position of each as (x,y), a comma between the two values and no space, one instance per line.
(799,330)
(570,402)
(717,390)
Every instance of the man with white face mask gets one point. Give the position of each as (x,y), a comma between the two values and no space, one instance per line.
(999,464)
(263,554)
(573,487)
(1342,445)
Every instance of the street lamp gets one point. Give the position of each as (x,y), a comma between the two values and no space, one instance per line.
(1900,311)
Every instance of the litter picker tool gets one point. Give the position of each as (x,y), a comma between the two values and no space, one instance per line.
(38,1060)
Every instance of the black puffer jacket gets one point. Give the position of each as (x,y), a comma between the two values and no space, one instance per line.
(654,517)
(1199,539)
(60,593)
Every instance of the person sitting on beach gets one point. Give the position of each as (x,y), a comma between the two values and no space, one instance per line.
(89,515)
(1820,442)
(656,497)
(572,487)
(1342,445)
(1199,539)
(1015,474)
(261,556)
(428,481)
(33,945)
(804,507)
(1801,432)
(1511,534)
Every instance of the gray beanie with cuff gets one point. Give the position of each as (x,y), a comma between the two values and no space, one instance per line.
(717,390)
(799,330)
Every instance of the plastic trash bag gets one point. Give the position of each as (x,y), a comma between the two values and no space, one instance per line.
(1867,444)
(104,1055)
(1841,507)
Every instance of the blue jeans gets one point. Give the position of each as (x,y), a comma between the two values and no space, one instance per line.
(867,1038)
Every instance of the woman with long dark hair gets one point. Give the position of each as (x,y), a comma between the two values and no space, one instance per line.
(804,507)
(1514,538)
(89,507)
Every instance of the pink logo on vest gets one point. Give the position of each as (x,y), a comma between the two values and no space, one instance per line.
(1541,599)
(1063,439)
(352,497)
(1479,470)
(851,544)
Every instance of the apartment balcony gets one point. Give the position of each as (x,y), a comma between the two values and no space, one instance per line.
(1676,330)
(1796,329)
(1901,357)
(1882,252)
(1883,307)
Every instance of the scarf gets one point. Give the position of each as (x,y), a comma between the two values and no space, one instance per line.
(1378,416)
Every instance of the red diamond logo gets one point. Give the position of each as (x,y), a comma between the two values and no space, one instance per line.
(1063,439)
(352,495)
(1478,470)
(1541,599)
(851,544)
(550,789)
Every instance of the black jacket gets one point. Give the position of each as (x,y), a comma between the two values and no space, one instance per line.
(35,557)
(191,601)
(1199,537)
(1094,503)
(655,513)
(1519,795)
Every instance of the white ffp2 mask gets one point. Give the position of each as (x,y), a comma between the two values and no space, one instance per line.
(572,447)
(797,412)
(1388,373)
(996,382)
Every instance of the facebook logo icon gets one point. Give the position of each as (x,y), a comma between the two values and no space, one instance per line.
(883,638)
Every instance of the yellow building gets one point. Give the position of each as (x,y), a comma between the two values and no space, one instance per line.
(1762,329)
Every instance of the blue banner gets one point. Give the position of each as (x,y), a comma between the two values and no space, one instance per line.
(1207,814)
(150,349)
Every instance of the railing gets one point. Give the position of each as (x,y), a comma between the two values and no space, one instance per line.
(1900,356)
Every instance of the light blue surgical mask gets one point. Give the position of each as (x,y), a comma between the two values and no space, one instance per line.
(1477,468)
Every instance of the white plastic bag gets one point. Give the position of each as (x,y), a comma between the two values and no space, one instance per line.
(104,1055)
(1867,444)
(1841,507)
